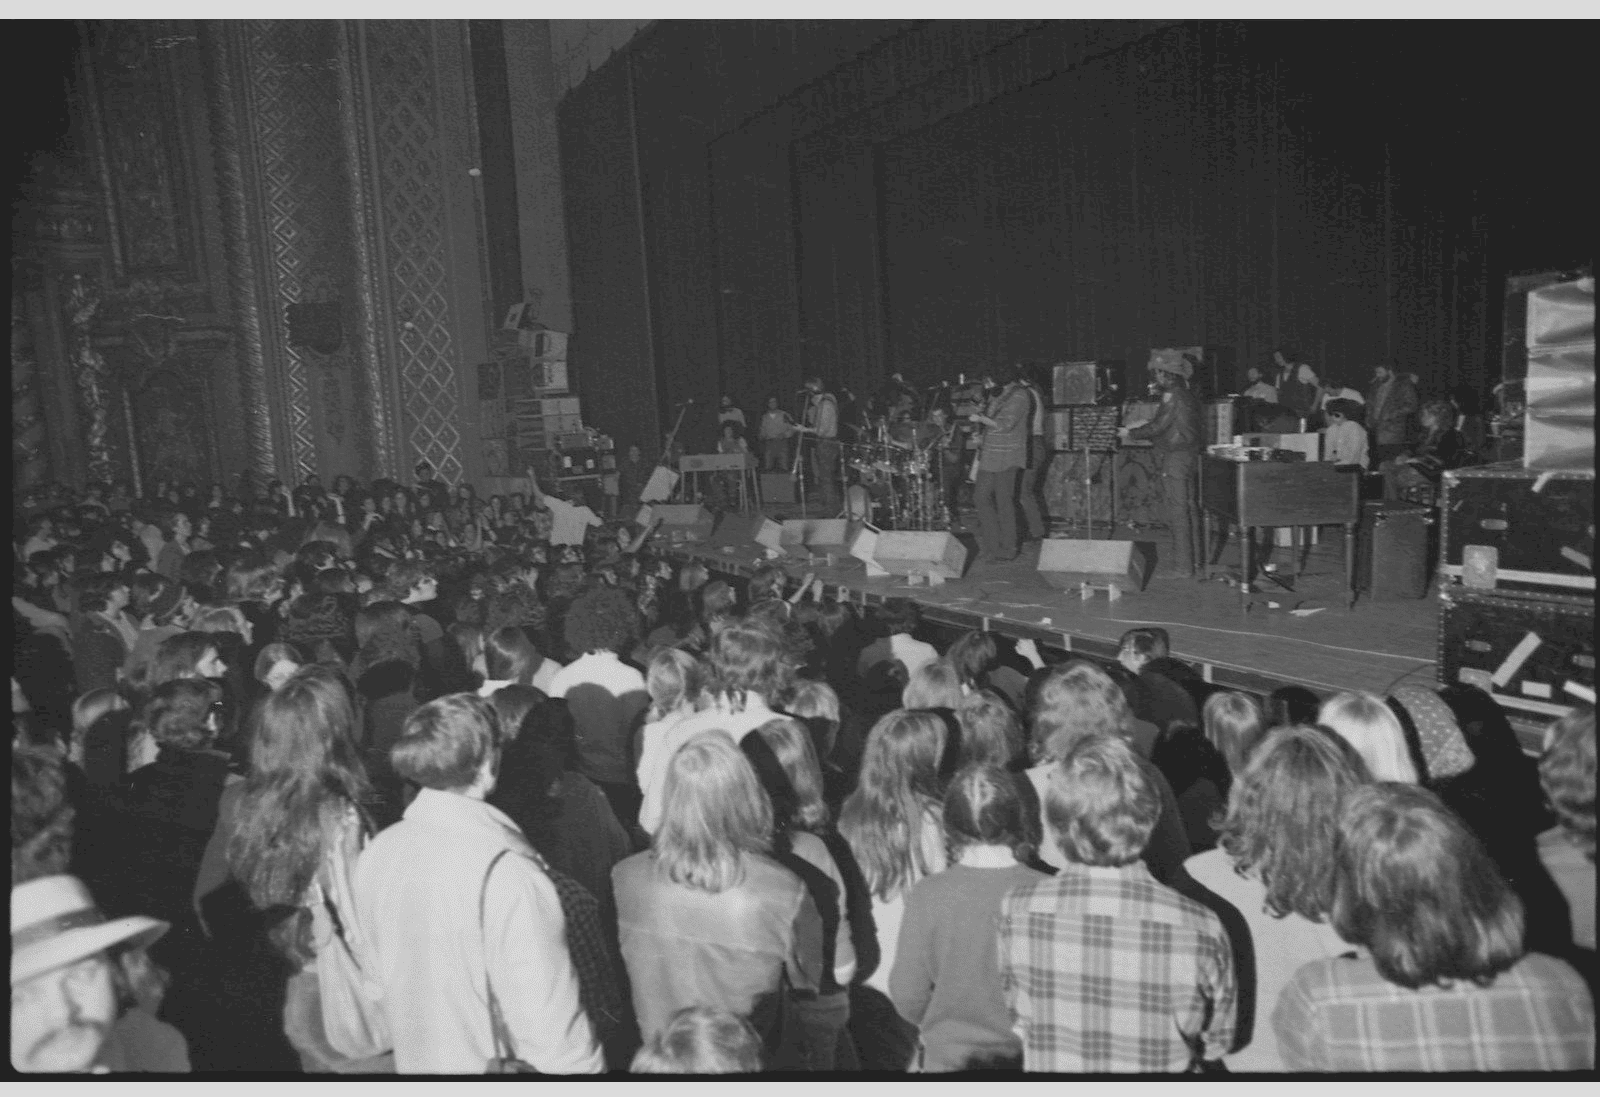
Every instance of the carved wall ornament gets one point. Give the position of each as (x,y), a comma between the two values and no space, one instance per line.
(91,374)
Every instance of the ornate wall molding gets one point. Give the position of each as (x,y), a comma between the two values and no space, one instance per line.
(416,115)
(243,280)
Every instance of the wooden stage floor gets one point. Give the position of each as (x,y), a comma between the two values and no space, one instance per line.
(1371,646)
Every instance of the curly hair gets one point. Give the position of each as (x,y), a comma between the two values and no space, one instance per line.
(990,731)
(973,654)
(1282,820)
(603,619)
(1071,700)
(935,684)
(749,657)
(1566,770)
(701,1040)
(1100,805)
(178,713)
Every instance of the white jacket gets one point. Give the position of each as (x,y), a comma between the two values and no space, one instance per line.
(417,888)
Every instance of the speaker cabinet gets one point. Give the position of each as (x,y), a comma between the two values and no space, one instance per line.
(1067,563)
(777,487)
(910,552)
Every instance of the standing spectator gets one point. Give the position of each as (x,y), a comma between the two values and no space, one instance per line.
(176,529)
(1371,727)
(1077,699)
(1566,770)
(706,916)
(1391,404)
(945,978)
(1104,969)
(899,618)
(83,992)
(463,921)
(1275,864)
(749,675)
(1442,982)
(701,1040)
(607,696)
(100,639)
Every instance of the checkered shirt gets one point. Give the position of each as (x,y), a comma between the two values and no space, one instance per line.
(1341,1015)
(1107,971)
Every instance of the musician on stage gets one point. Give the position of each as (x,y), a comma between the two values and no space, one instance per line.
(940,431)
(1001,458)
(1175,433)
(776,426)
(822,423)
(1038,455)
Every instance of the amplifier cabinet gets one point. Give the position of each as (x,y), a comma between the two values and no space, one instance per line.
(1534,653)
(1510,528)
(1392,550)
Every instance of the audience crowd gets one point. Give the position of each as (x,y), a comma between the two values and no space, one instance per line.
(389,779)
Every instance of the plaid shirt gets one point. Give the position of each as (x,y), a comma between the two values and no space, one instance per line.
(1341,1015)
(1105,970)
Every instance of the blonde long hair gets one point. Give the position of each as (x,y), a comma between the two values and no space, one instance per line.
(714,813)
(1368,725)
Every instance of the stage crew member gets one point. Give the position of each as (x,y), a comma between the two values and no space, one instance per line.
(1295,382)
(1000,462)
(1175,433)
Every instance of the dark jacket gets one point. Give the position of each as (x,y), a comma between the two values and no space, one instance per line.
(98,652)
(1176,427)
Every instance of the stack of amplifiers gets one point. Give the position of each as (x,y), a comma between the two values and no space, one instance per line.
(1517,596)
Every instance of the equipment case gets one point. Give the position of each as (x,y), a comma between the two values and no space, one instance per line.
(1534,653)
(1523,529)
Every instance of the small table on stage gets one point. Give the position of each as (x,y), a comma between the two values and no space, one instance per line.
(745,464)
(1257,494)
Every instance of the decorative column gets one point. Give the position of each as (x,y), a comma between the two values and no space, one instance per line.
(89,369)
(29,462)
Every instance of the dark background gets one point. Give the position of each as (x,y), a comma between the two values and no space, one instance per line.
(751,202)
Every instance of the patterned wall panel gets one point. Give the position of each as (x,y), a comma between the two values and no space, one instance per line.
(407,156)
(294,131)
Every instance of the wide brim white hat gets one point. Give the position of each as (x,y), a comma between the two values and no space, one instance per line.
(54,922)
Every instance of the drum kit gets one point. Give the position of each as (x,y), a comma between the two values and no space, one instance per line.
(899,477)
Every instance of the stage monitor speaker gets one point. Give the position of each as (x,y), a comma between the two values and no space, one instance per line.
(679,521)
(1067,563)
(736,529)
(777,487)
(910,552)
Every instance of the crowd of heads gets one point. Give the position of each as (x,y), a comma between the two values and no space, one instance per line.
(263,641)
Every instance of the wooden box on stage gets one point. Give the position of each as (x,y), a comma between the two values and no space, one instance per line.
(1510,528)
(777,487)
(1534,653)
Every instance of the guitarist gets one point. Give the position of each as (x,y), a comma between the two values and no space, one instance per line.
(1001,459)
(822,421)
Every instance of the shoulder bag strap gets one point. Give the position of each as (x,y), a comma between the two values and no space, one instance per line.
(497,1024)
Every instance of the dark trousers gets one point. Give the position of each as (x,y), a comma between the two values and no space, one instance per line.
(825,466)
(775,454)
(1032,513)
(995,496)
(1178,486)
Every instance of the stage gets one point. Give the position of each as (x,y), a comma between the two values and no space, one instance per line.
(1371,646)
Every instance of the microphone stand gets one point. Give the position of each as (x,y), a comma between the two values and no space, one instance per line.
(798,469)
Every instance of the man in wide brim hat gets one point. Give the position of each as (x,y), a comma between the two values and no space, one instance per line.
(63,988)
